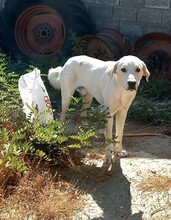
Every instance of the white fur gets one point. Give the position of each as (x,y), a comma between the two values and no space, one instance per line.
(54,77)
(107,82)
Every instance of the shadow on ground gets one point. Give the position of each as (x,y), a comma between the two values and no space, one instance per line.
(114,195)
(110,190)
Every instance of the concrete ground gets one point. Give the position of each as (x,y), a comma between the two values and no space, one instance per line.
(136,188)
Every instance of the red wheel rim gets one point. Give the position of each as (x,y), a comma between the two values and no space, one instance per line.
(155,50)
(117,38)
(39,31)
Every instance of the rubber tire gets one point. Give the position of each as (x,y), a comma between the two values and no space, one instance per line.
(73,13)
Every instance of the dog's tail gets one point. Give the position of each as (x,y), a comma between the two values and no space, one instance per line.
(54,77)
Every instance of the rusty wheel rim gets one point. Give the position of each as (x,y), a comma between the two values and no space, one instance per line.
(39,31)
(155,50)
(118,38)
(153,36)
(94,46)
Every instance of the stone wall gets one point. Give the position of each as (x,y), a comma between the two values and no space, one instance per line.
(132,18)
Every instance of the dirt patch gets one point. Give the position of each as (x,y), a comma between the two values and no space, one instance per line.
(155,183)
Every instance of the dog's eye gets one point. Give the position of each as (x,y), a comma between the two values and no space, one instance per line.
(137,70)
(123,70)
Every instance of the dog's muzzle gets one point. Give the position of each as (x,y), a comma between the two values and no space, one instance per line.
(131,85)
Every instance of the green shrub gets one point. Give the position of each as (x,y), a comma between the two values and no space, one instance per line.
(19,137)
(152,103)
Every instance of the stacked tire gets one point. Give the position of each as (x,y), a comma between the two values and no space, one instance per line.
(155,50)
(42,28)
(107,44)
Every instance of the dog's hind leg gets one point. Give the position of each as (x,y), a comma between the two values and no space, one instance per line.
(66,98)
(87,100)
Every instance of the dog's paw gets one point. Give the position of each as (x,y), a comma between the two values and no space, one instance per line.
(109,160)
(123,154)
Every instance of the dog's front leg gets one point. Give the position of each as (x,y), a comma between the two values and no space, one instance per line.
(120,122)
(109,156)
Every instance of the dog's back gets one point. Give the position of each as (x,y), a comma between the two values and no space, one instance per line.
(82,71)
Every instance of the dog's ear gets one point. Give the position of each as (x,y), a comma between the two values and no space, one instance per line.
(113,70)
(146,73)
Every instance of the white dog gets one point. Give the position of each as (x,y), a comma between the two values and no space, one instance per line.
(112,84)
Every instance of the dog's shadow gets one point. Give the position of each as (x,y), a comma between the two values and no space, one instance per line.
(109,189)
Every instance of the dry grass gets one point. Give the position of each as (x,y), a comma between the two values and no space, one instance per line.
(155,183)
(39,195)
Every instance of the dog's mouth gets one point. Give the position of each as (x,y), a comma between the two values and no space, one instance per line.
(131,85)
(132,88)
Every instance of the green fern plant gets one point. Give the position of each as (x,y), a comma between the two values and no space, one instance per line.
(19,137)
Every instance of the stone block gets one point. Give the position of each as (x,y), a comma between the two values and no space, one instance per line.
(99,11)
(132,3)
(89,1)
(156,28)
(113,2)
(131,29)
(166,17)
(162,4)
(100,24)
(124,13)
(152,16)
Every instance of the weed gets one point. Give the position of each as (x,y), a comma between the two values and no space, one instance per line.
(152,103)
(40,195)
(19,137)
(24,147)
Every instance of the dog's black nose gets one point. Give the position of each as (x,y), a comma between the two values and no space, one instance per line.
(131,85)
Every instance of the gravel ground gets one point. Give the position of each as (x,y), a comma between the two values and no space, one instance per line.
(137,187)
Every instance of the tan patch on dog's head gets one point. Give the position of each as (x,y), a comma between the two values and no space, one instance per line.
(113,71)
(146,72)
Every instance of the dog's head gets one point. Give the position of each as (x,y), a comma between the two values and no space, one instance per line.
(129,70)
